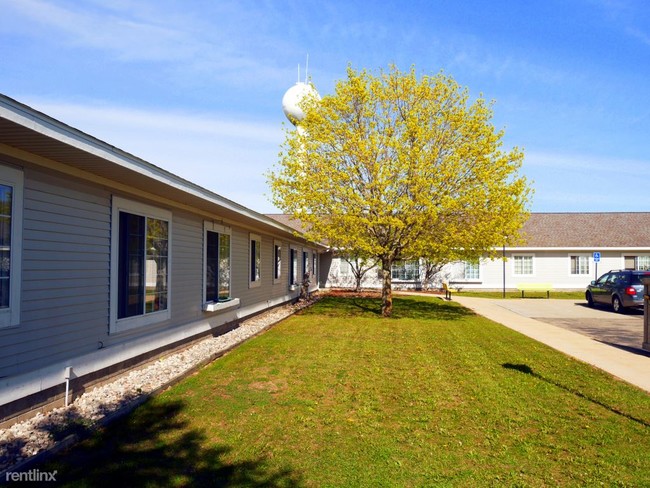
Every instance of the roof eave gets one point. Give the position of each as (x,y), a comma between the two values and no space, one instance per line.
(93,154)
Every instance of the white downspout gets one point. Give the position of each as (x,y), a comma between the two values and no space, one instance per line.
(67,375)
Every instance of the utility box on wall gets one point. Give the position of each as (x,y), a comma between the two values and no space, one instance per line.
(646,313)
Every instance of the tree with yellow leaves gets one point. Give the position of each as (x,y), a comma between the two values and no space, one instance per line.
(393,166)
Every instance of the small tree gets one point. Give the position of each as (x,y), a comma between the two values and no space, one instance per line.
(359,267)
(392,165)
(431,269)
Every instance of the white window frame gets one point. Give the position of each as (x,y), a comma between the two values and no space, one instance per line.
(257,281)
(295,251)
(212,306)
(122,204)
(277,273)
(588,257)
(10,317)
(514,267)
(413,264)
(473,265)
(637,259)
(305,264)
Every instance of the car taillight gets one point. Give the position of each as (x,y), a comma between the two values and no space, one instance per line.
(630,291)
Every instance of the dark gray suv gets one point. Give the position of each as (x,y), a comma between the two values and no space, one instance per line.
(619,288)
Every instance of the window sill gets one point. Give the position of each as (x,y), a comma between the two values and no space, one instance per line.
(293,287)
(8,319)
(221,306)
(130,323)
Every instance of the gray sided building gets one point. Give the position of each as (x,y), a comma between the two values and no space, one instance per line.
(107,260)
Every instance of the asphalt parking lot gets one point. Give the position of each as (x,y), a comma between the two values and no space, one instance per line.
(599,323)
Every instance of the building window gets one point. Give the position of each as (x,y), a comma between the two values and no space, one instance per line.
(305,264)
(580,265)
(277,261)
(523,265)
(255,261)
(643,263)
(472,271)
(314,258)
(140,265)
(293,267)
(406,270)
(11,225)
(217,263)
(143,265)
(6,211)
(344,267)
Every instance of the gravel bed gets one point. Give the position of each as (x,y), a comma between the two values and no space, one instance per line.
(26,439)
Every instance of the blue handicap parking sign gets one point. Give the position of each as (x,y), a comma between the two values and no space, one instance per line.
(596,257)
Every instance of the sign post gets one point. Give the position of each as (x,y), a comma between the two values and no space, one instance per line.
(646,313)
(596,261)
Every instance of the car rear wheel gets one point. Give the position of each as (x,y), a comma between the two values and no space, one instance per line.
(617,305)
(590,299)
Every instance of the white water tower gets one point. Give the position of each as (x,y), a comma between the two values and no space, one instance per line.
(292,98)
(296,94)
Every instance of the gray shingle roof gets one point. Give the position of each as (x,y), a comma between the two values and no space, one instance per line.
(288,221)
(593,230)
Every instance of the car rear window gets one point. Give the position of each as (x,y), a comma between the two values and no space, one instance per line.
(635,279)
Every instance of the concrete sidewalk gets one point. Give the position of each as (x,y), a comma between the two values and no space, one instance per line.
(626,365)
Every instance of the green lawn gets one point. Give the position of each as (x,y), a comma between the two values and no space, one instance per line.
(337,396)
(564,295)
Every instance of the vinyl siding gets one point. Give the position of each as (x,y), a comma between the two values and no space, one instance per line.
(186,268)
(549,266)
(64,310)
(66,267)
(241,270)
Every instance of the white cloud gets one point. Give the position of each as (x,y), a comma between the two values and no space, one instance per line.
(571,200)
(588,164)
(225,42)
(206,124)
(478,55)
(224,155)
(640,35)
(126,37)
(575,182)
(629,16)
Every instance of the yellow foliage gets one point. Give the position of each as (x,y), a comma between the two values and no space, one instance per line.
(394,166)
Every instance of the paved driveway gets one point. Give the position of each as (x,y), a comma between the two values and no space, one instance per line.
(599,323)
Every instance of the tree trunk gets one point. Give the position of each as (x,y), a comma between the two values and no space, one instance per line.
(357,267)
(386,289)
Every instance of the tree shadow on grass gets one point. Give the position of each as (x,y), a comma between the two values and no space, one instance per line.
(137,451)
(524,368)
(431,308)
(403,308)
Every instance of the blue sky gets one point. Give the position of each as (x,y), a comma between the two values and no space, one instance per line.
(195,86)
